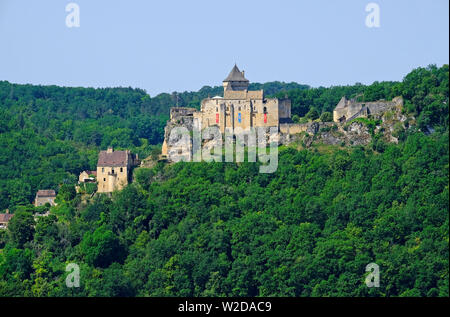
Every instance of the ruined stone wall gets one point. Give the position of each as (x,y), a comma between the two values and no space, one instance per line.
(293,128)
(176,112)
(379,107)
(339,113)
(347,110)
(284,108)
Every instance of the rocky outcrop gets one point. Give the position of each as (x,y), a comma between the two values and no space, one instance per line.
(172,147)
(359,131)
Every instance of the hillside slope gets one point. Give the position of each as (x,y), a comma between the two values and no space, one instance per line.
(223,229)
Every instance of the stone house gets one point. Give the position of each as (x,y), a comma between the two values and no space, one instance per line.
(44,196)
(4,219)
(114,169)
(87,177)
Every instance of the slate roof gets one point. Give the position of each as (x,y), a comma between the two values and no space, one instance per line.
(46,193)
(5,217)
(113,159)
(235,75)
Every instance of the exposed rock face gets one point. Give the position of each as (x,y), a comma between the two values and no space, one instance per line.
(172,147)
(313,128)
(388,124)
(357,134)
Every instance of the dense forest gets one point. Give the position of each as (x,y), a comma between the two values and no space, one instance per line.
(49,134)
(223,229)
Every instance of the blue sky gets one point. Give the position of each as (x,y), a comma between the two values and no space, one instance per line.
(179,45)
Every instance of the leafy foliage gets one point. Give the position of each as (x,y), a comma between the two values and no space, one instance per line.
(223,229)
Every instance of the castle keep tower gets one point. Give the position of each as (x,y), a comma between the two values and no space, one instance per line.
(113,169)
(238,108)
(235,81)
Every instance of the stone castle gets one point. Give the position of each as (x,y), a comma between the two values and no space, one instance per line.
(238,108)
(241,109)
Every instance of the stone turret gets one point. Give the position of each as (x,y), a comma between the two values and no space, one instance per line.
(235,81)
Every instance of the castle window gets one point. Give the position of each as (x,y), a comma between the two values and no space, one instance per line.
(217,109)
(112,171)
(104,179)
(265,109)
(121,169)
(103,169)
(239,108)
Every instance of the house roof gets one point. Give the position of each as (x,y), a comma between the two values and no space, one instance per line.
(113,159)
(89,173)
(5,217)
(235,75)
(46,193)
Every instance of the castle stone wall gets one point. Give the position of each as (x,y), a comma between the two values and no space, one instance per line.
(350,109)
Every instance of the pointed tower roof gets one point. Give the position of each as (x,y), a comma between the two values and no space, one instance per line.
(235,75)
(342,103)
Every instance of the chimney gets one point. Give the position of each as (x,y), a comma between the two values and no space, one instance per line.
(110,150)
(243,73)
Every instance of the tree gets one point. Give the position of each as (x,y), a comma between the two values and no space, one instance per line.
(312,114)
(102,247)
(326,117)
(21,228)
(66,193)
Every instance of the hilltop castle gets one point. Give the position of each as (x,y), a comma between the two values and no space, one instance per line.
(238,108)
(241,109)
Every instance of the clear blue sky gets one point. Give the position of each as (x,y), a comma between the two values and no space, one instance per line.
(163,46)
